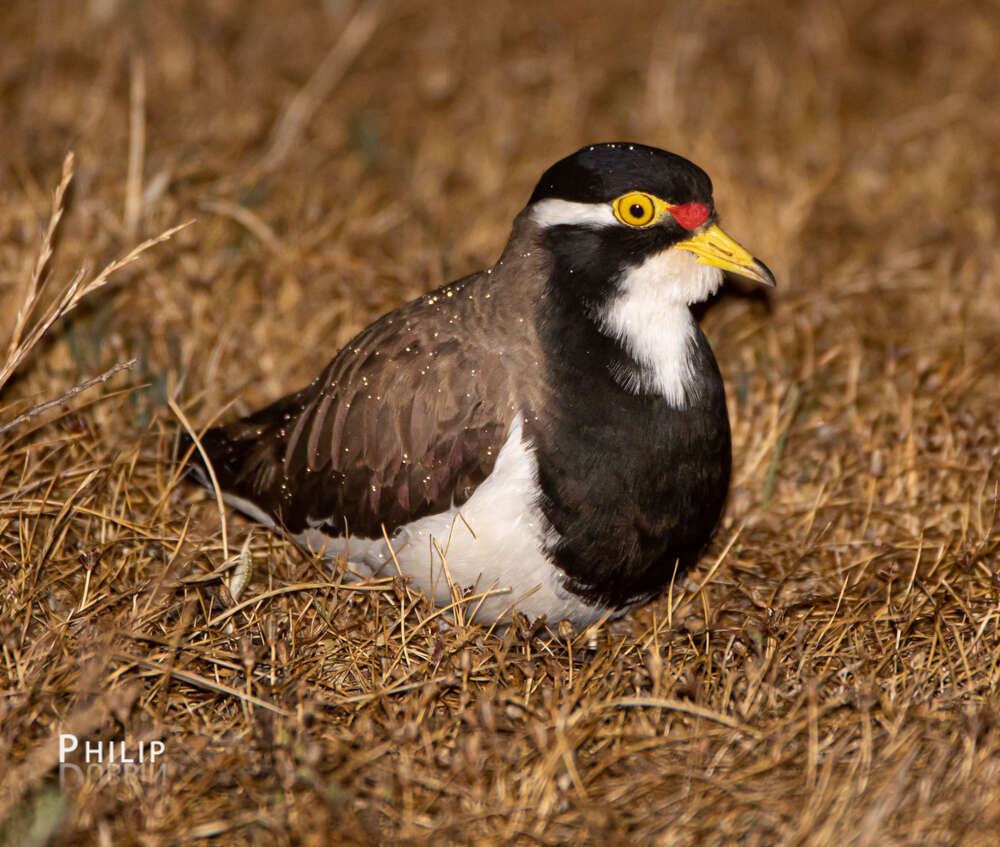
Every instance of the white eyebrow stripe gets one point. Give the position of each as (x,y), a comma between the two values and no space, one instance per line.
(554,212)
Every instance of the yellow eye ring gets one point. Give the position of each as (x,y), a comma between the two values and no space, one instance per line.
(635,209)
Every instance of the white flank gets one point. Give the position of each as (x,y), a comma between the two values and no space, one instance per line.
(552,212)
(494,544)
(650,316)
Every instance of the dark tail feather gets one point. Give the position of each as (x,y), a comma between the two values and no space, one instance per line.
(246,455)
(228,457)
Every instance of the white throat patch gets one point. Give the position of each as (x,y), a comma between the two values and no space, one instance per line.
(651,318)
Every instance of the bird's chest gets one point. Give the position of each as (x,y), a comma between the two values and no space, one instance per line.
(637,451)
(632,482)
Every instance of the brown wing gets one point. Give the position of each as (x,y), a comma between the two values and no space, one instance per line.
(405,421)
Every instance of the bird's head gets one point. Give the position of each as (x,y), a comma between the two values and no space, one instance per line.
(614,216)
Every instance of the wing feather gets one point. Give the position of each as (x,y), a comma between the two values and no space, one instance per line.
(406,421)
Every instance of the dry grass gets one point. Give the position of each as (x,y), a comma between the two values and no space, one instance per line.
(834,681)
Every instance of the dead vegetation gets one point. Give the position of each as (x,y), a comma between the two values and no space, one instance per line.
(830,672)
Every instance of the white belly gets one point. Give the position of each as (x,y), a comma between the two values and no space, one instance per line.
(491,548)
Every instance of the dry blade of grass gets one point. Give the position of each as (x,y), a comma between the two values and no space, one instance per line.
(289,128)
(36,280)
(86,385)
(25,338)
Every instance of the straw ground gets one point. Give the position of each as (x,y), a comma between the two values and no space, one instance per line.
(827,675)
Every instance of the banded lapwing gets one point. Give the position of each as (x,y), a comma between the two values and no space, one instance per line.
(551,432)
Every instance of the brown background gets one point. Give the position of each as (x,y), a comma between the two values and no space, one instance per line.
(835,681)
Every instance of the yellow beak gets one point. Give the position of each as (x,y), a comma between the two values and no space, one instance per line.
(713,247)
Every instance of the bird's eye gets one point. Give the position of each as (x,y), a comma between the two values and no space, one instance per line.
(635,209)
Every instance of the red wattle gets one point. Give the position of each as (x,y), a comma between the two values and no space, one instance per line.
(690,215)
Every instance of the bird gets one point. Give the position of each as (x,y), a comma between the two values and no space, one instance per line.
(547,437)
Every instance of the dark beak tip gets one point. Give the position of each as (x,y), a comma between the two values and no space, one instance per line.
(769,279)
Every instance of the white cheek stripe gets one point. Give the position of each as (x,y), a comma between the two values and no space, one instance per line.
(553,212)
